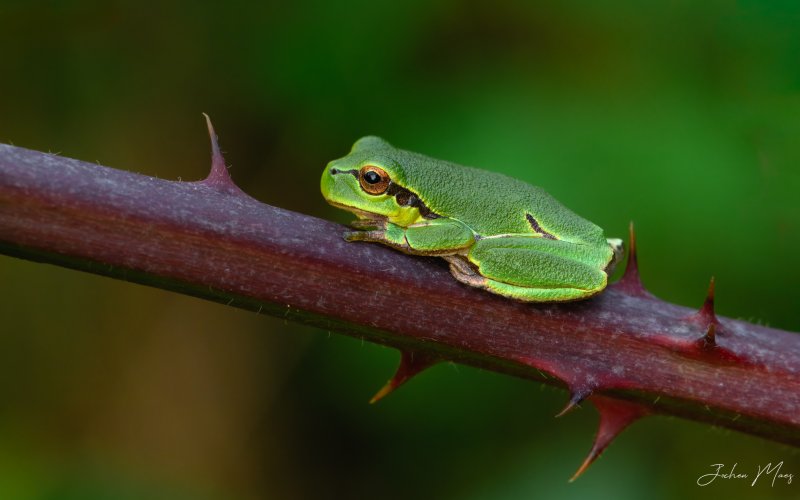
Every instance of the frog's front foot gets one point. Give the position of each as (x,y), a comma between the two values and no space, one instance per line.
(367,230)
(369,224)
(374,236)
(379,231)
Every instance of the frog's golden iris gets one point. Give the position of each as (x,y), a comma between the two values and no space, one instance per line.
(374,180)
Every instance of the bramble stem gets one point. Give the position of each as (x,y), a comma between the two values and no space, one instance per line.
(219,244)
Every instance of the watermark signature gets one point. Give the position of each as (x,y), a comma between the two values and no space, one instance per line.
(769,473)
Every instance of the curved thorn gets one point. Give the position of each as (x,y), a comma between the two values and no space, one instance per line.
(615,416)
(574,401)
(384,391)
(218,177)
(708,315)
(215,152)
(707,309)
(411,363)
(708,318)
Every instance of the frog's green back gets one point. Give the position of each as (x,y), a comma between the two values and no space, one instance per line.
(488,202)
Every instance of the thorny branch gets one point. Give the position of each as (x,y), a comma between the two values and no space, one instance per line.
(627,351)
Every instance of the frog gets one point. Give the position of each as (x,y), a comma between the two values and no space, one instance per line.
(497,233)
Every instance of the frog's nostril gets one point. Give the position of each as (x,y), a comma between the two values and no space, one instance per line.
(334,171)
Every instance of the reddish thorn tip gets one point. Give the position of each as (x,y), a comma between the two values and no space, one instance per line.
(411,364)
(615,416)
(632,241)
(708,318)
(707,309)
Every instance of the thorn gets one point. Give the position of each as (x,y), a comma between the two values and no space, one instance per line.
(215,153)
(218,177)
(708,318)
(575,400)
(631,281)
(706,312)
(411,363)
(615,416)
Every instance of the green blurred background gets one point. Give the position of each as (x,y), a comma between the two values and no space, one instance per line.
(683,116)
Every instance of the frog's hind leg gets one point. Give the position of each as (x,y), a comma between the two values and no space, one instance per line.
(528,294)
(532,269)
(464,272)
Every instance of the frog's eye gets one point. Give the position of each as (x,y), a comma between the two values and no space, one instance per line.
(374,180)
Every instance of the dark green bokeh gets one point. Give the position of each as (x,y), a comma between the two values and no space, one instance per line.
(682,116)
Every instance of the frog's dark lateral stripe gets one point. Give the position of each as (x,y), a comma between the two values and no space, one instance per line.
(404,197)
(536,227)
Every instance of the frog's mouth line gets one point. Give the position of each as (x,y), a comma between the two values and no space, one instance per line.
(362,214)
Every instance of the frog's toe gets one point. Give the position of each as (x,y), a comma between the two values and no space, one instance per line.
(362,236)
(464,272)
(368,224)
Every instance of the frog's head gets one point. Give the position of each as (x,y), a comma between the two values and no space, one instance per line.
(365,181)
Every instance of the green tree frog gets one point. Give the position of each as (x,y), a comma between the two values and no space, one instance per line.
(496,232)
